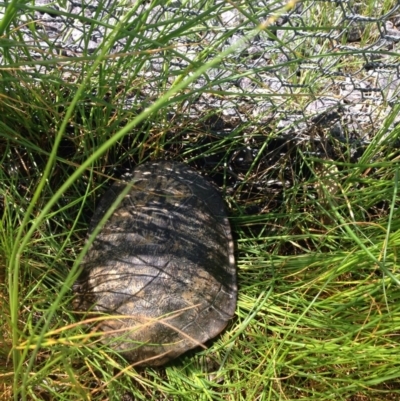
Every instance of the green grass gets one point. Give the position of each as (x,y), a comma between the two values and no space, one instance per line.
(318,315)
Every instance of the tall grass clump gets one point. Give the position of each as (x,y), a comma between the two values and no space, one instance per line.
(316,233)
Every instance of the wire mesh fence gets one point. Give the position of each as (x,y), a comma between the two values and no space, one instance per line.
(334,62)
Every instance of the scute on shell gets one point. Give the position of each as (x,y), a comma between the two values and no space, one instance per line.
(163,261)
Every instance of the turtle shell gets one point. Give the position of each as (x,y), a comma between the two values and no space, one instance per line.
(163,262)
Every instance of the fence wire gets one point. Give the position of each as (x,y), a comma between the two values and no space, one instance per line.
(333,62)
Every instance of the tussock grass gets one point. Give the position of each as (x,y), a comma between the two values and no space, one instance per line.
(318,314)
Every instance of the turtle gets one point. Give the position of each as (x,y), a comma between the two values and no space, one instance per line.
(162,268)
